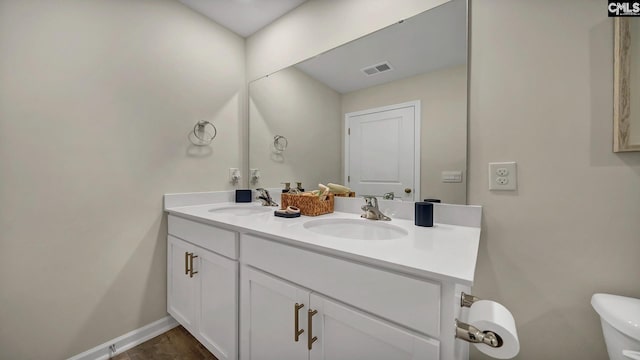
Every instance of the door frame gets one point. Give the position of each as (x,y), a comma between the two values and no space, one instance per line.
(417,113)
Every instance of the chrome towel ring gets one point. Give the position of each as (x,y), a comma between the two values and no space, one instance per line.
(280,142)
(204,133)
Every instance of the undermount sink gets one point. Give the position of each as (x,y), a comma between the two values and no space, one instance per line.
(241,210)
(360,229)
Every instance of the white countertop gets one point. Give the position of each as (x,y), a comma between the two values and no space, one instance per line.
(444,252)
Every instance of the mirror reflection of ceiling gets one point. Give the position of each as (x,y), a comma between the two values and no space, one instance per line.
(427,42)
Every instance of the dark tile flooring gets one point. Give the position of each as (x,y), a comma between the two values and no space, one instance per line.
(175,344)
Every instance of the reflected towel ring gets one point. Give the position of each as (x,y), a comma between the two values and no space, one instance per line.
(280,142)
(204,136)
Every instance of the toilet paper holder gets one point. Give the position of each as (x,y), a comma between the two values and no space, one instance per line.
(471,333)
(466,300)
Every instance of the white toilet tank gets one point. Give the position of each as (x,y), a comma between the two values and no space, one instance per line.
(620,317)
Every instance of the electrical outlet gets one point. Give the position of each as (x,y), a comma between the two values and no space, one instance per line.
(502,176)
(502,171)
(254,175)
(234,175)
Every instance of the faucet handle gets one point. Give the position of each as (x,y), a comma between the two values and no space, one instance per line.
(265,197)
(371,200)
(263,193)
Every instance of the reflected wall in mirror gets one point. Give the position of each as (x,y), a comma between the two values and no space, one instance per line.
(626,112)
(421,60)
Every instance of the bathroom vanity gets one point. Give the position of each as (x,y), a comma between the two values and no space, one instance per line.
(249,285)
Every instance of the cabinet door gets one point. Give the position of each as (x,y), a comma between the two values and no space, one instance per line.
(180,287)
(217,303)
(268,318)
(345,333)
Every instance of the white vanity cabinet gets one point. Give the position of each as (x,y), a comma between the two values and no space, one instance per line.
(285,321)
(181,295)
(264,288)
(388,315)
(270,307)
(202,285)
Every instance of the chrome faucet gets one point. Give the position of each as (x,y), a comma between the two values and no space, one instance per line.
(265,197)
(371,210)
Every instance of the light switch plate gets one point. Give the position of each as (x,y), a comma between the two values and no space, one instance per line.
(503,176)
(451,176)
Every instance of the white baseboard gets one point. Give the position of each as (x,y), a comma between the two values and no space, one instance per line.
(128,340)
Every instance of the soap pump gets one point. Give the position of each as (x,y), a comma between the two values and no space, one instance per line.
(299,183)
(287,187)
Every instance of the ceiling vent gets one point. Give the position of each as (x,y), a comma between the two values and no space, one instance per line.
(377,68)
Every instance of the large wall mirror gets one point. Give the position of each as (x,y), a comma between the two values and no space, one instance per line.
(384,113)
(626,112)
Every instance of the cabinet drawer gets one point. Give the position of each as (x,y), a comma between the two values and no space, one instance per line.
(221,241)
(402,299)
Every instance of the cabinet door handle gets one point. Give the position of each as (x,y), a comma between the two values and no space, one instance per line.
(191,272)
(186,263)
(296,325)
(310,338)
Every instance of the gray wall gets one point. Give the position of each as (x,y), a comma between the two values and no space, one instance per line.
(96,100)
(541,94)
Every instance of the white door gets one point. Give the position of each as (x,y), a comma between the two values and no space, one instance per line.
(347,334)
(217,296)
(269,309)
(382,154)
(180,287)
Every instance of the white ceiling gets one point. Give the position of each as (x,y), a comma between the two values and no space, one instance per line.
(244,17)
(427,42)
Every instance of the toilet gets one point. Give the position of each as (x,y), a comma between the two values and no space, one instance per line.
(620,317)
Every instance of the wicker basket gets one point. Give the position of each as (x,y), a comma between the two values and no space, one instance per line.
(349,194)
(308,205)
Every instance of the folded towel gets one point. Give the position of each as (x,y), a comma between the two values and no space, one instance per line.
(338,189)
(324,192)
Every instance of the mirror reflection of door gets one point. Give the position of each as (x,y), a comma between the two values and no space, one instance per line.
(381,151)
